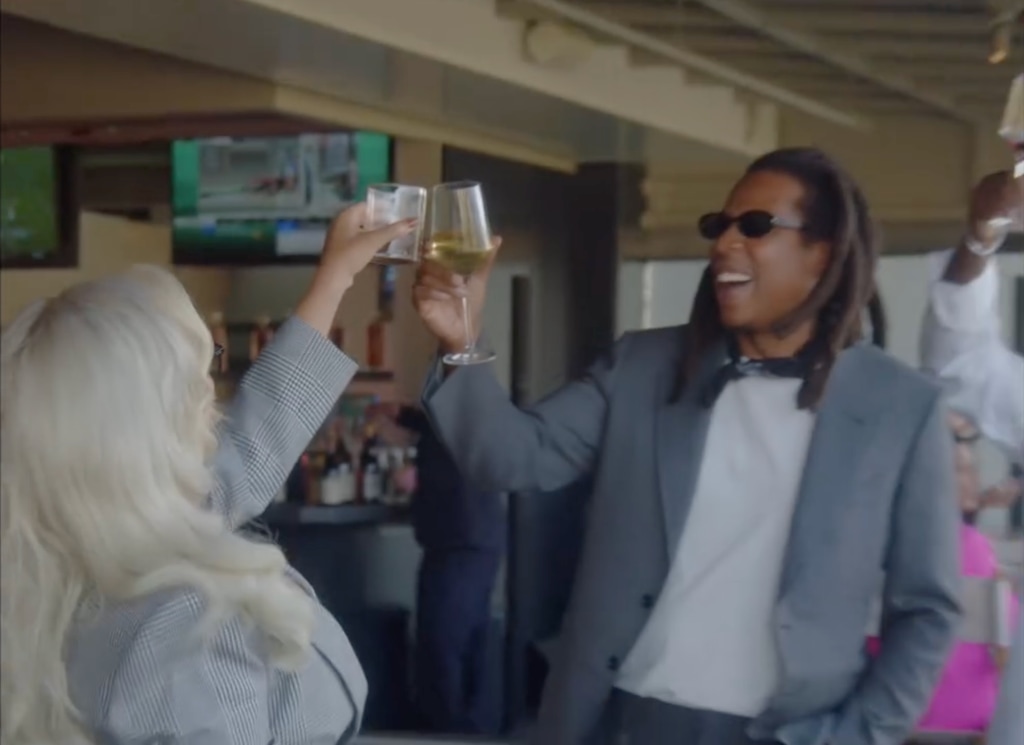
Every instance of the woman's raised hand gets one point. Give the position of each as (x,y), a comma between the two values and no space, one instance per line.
(347,250)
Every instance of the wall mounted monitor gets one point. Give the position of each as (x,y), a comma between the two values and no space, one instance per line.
(38,216)
(268,200)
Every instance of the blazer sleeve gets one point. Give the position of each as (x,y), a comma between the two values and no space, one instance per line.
(330,642)
(921,607)
(1007,726)
(499,447)
(280,404)
(172,688)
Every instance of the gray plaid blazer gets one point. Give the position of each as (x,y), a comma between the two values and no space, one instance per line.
(137,674)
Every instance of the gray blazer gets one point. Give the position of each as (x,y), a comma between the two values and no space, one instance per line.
(136,672)
(877,499)
(1007,727)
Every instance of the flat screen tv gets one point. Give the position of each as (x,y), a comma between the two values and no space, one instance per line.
(266,200)
(37,213)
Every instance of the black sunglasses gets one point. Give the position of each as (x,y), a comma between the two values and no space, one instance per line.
(752,224)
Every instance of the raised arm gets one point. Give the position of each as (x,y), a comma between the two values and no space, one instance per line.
(280,404)
(293,385)
(497,446)
(920,599)
(500,447)
(1007,726)
(961,336)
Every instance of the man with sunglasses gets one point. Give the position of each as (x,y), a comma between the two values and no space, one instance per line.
(760,476)
(962,344)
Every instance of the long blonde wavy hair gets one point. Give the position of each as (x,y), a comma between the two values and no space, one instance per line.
(107,426)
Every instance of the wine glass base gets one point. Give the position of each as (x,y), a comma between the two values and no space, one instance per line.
(475,357)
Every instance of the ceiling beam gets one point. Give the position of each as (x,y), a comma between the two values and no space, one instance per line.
(880,5)
(632,13)
(689,60)
(755,20)
(881,50)
(828,21)
(817,18)
(1005,11)
(842,89)
(923,72)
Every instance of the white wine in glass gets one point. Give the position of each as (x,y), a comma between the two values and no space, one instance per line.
(460,240)
(452,251)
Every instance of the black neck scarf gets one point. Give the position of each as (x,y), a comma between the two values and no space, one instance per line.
(737,367)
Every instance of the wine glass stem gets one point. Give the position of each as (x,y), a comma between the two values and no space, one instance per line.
(470,341)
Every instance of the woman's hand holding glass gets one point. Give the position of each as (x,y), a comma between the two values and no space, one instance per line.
(348,248)
(458,253)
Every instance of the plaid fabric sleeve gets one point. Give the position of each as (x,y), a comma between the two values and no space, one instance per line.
(280,404)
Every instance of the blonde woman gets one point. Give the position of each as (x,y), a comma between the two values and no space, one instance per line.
(131,610)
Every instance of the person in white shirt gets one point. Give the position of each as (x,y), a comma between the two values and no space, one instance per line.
(962,344)
(961,338)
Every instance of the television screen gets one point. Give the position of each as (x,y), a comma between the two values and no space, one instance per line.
(246,200)
(30,207)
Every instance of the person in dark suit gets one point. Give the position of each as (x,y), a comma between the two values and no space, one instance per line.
(462,532)
(762,476)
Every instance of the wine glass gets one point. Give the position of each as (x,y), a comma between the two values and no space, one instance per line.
(460,240)
(389,203)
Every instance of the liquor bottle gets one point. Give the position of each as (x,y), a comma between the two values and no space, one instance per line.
(377,343)
(378,333)
(346,484)
(371,488)
(339,483)
(384,469)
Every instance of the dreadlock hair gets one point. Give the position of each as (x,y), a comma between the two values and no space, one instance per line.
(879,321)
(835,211)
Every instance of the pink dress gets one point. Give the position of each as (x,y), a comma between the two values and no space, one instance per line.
(969,687)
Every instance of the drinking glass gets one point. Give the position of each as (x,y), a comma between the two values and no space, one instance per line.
(389,203)
(460,239)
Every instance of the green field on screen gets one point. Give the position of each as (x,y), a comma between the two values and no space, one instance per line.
(28,205)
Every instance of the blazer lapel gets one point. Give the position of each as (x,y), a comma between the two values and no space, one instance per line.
(835,458)
(681,429)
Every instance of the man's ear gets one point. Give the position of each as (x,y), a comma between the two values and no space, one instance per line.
(819,254)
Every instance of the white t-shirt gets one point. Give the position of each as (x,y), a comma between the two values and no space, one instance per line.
(710,642)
